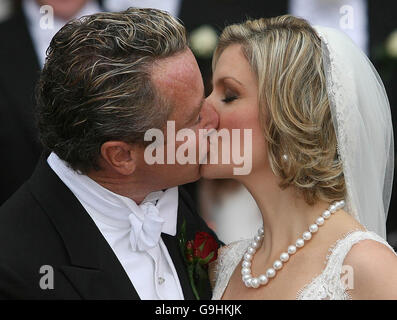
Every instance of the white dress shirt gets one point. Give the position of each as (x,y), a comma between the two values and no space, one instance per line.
(42,36)
(336,14)
(152,272)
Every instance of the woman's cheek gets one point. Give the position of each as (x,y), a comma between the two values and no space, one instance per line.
(234,118)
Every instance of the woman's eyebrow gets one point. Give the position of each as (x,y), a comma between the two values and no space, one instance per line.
(229,78)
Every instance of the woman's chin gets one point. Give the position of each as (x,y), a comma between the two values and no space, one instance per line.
(216,171)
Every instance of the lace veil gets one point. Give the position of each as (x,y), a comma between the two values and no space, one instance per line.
(362,120)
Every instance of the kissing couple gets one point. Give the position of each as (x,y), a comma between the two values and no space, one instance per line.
(97,221)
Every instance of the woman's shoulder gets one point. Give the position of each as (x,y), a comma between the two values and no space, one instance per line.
(373,263)
(355,269)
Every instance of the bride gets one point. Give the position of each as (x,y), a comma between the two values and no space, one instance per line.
(322,163)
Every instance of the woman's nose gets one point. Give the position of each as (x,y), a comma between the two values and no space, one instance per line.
(210,116)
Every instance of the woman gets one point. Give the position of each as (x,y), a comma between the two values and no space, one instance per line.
(322,163)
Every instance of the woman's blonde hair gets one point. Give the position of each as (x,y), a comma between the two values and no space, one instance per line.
(286,56)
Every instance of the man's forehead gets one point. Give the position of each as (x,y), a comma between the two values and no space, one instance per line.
(175,74)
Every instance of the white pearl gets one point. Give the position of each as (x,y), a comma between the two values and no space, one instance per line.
(248,257)
(320,221)
(255,283)
(263,279)
(307,236)
(277,265)
(245,271)
(326,214)
(246,277)
(250,281)
(284,257)
(254,244)
(270,273)
(291,249)
(300,243)
(313,228)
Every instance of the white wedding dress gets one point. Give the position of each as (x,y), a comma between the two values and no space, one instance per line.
(325,286)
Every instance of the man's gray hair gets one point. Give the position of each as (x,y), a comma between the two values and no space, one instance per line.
(96,83)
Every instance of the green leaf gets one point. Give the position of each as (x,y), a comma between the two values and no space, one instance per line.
(202,246)
(182,238)
(207,259)
(190,270)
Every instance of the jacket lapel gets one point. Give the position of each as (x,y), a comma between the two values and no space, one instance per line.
(94,271)
(172,245)
(186,213)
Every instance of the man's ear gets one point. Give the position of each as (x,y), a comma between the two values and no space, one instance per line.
(120,156)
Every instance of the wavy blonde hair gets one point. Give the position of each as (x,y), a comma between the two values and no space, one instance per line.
(285,54)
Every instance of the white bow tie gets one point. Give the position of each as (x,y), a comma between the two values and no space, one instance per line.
(146,233)
(150,219)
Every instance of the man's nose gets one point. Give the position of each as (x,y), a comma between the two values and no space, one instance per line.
(210,116)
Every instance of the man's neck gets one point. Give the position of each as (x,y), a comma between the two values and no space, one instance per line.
(121,186)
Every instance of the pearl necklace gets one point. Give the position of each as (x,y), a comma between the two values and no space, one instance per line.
(263,279)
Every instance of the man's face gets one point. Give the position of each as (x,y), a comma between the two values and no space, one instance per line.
(178,80)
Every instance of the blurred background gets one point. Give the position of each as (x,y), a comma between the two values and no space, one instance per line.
(27,27)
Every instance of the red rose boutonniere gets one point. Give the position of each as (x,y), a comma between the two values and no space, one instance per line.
(198,253)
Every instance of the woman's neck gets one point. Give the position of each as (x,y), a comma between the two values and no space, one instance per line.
(285,213)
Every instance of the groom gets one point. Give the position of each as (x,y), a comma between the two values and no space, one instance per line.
(95,221)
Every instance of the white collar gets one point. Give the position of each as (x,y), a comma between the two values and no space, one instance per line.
(109,207)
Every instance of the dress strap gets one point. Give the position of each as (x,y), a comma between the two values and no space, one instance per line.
(328,285)
(228,258)
(339,251)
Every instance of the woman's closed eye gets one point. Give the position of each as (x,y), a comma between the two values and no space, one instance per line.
(229,99)
(230,96)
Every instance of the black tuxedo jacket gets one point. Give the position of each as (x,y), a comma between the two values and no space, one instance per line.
(43,224)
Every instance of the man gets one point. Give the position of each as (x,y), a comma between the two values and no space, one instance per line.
(95,220)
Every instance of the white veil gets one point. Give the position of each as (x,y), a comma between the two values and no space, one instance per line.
(362,120)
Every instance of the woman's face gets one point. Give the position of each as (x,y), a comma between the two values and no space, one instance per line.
(235,98)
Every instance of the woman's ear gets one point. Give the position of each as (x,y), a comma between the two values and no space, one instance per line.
(120,156)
